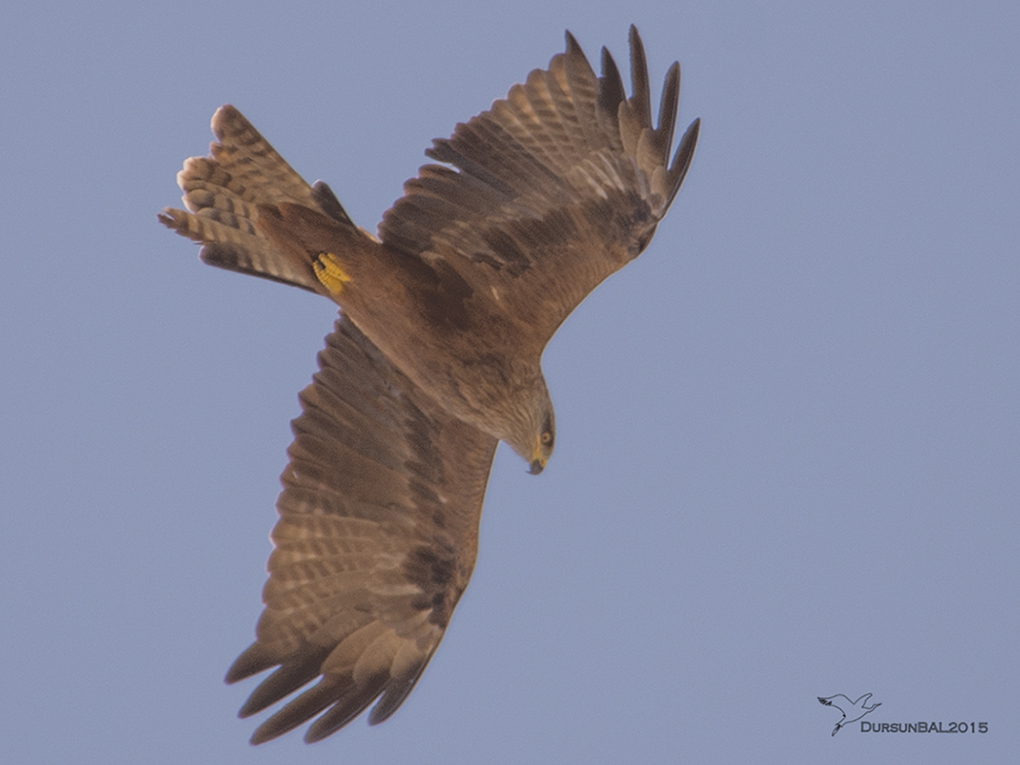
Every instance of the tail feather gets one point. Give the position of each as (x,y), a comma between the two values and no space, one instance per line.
(222,196)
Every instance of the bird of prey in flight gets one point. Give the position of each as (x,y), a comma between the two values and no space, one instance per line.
(434,359)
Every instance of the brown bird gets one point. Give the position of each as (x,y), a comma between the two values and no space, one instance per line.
(434,359)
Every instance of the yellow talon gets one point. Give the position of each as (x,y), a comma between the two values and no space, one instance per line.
(330,273)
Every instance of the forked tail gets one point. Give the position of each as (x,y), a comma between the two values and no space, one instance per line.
(232,196)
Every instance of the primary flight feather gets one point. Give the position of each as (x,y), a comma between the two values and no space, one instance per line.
(434,359)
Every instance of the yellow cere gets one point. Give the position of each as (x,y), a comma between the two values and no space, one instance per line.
(330,273)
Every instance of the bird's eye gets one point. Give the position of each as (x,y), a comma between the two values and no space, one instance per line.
(547,437)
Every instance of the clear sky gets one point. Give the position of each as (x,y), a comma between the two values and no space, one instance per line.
(788,453)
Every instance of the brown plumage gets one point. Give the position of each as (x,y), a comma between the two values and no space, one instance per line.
(436,357)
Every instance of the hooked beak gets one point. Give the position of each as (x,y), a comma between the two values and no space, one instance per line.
(538,457)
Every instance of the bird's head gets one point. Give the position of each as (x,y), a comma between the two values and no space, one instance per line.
(533,428)
(544,441)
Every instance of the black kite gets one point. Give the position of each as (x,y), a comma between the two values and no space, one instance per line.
(435,357)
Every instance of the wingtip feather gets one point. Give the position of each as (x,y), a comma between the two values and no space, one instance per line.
(667,110)
(611,91)
(683,157)
(641,98)
(572,46)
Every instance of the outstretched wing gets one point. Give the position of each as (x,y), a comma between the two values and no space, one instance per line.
(555,187)
(375,544)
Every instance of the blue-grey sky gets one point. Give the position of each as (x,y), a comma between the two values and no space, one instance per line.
(788,453)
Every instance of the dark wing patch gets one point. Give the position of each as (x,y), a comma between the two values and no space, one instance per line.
(554,188)
(375,544)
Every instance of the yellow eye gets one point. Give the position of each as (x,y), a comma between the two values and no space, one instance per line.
(547,437)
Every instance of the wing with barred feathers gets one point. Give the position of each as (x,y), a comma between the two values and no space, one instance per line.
(553,189)
(376,541)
